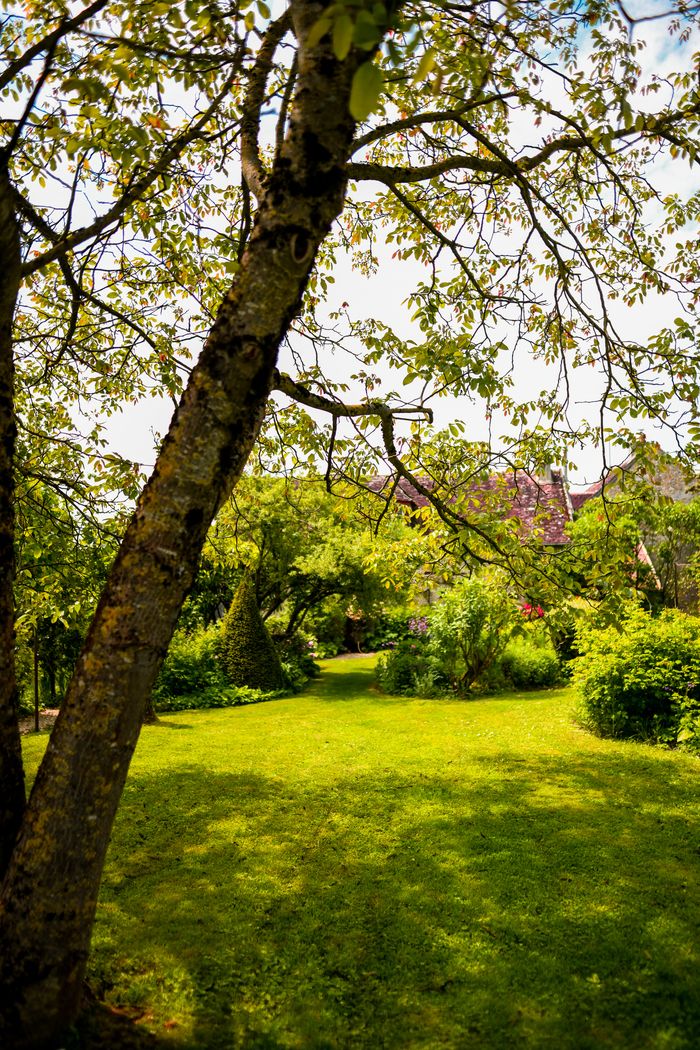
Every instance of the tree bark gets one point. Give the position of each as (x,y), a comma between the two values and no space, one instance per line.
(12,795)
(49,895)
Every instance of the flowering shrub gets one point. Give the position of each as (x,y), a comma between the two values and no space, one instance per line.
(532,612)
(418,626)
(643,681)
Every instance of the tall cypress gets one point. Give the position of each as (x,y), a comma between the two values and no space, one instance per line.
(250,657)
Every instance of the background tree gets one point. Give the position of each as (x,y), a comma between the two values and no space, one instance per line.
(541,230)
(305,547)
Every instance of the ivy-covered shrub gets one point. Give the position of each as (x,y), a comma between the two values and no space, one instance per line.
(249,655)
(643,681)
(526,665)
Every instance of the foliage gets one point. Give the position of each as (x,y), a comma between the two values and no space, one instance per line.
(173,174)
(605,548)
(470,627)
(409,670)
(298,655)
(62,561)
(388,629)
(643,680)
(483,839)
(249,655)
(526,665)
(671,532)
(192,674)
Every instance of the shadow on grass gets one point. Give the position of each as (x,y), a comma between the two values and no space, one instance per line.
(546,905)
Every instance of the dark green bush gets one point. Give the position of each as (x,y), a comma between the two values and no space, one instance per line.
(408,670)
(386,629)
(191,669)
(249,655)
(193,676)
(528,666)
(643,681)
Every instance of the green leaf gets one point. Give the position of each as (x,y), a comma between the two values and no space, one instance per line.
(342,36)
(367,33)
(263,9)
(318,31)
(425,66)
(367,86)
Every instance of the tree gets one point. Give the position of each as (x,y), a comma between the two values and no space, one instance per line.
(459,179)
(304,547)
(249,653)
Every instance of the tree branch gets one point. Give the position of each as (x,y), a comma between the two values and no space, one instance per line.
(49,42)
(251,164)
(70,241)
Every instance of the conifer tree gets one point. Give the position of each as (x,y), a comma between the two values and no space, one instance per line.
(250,657)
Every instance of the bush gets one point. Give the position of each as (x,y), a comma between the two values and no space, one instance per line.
(529,666)
(386,629)
(470,627)
(225,696)
(408,670)
(643,681)
(249,655)
(191,667)
(298,663)
(192,675)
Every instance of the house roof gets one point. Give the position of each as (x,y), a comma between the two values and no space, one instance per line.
(542,504)
(666,475)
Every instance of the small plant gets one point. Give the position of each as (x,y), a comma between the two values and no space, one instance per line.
(643,680)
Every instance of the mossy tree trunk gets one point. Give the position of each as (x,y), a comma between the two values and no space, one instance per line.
(49,894)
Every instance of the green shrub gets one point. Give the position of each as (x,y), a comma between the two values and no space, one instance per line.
(192,668)
(298,663)
(223,696)
(386,629)
(526,665)
(408,670)
(643,681)
(470,627)
(249,655)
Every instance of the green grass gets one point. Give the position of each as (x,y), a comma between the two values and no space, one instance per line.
(346,870)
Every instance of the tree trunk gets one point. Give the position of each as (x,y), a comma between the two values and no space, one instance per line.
(12,797)
(49,895)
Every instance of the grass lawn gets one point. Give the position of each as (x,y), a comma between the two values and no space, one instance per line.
(346,870)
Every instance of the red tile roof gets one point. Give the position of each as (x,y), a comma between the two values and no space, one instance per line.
(541,503)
